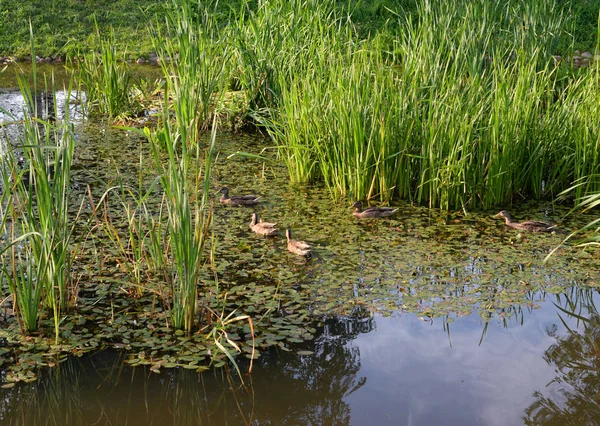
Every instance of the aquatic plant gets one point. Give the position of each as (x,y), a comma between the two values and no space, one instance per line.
(273,42)
(462,107)
(193,56)
(589,234)
(107,80)
(142,244)
(38,259)
(193,86)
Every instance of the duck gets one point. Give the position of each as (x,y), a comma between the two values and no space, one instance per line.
(372,211)
(237,200)
(528,225)
(297,247)
(262,228)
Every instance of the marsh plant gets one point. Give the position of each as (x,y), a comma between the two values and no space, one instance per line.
(273,42)
(107,81)
(140,240)
(37,224)
(461,106)
(188,218)
(585,203)
(457,105)
(192,89)
(193,56)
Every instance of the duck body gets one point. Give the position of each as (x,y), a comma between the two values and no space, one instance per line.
(263,228)
(237,200)
(297,247)
(528,225)
(371,212)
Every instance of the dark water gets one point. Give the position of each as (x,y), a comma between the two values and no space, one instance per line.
(427,318)
(381,371)
(60,75)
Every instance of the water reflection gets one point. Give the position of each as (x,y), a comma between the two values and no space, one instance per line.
(361,370)
(572,396)
(285,389)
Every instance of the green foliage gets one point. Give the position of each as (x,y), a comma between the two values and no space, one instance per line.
(462,107)
(190,90)
(107,81)
(38,259)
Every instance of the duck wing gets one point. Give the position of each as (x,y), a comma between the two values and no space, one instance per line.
(302,245)
(244,197)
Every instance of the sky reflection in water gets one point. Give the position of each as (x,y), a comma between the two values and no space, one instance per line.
(414,376)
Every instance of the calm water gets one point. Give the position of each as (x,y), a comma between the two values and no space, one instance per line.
(398,306)
(382,371)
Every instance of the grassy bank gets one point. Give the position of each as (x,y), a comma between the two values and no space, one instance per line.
(65,27)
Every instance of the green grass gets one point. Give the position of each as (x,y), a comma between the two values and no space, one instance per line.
(67,26)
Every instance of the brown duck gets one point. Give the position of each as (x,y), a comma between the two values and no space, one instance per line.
(372,211)
(297,247)
(262,228)
(528,225)
(237,200)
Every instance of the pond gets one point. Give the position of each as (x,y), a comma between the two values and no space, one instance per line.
(424,318)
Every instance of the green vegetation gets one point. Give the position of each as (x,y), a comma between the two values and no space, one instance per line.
(37,264)
(462,107)
(450,104)
(66,27)
(456,105)
(108,82)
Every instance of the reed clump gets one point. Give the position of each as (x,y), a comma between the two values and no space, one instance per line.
(193,87)
(462,107)
(37,224)
(107,81)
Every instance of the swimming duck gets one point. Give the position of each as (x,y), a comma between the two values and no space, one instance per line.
(372,211)
(297,247)
(528,225)
(262,228)
(237,200)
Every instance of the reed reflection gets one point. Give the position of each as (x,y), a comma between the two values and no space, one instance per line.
(284,389)
(571,397)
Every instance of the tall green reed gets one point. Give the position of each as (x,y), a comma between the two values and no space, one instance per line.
(107,81)
(194,58)
(193,61)
(188,218)
(274,40)
(38,267)
(459,108)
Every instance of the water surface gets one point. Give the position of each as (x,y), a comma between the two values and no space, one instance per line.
(427,318)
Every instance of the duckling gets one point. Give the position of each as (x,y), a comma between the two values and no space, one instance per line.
(262,228)
(372,211)
(297,247)
(237,200)
(529,225)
